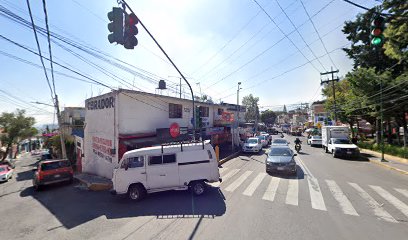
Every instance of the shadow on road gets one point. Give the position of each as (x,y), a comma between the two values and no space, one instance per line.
(26,175)
(303,153)
(73,207)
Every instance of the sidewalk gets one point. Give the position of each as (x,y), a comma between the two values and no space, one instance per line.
(93,182)
(391,162)
(227,153)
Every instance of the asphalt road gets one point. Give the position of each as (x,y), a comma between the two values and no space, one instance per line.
(328,199)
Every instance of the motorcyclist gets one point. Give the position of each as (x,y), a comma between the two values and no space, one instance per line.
(297,144)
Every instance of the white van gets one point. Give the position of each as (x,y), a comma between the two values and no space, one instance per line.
(168,167)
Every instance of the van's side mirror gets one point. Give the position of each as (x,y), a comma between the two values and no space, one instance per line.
(126,166)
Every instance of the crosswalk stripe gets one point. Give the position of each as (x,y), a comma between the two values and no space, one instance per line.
(391,199)
(378,210)
(234,185)
(254,184)
(344,202)
(315,194)
(292,194)
(271,190)
(402,191)
(226,177)
(221,170)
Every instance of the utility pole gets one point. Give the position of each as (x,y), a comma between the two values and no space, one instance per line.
(59,119)
(180,83)
(236,119)
(332,80)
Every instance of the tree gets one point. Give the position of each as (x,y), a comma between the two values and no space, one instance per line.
(15,126)
(396,33)
(268,117)
(252,111)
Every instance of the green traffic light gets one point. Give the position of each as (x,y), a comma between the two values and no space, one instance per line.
(376,41)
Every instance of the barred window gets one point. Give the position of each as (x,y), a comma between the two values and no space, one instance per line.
(175,110)
(204,111)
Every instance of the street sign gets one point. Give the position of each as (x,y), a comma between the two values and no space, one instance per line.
(174,130)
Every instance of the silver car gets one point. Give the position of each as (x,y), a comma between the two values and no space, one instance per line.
(281,159)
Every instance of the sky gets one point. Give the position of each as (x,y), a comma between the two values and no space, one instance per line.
(277,56)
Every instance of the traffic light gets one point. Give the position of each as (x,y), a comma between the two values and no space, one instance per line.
(116,25)
(130,41)
(377,29)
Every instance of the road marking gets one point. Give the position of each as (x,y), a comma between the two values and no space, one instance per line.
(378,210)
(391,199)
(293,191)
(402,191)
(226,177)
(304,167)
(344,202)
(234,185)
(316,195)
(222,169)
(271,190)
(254,184)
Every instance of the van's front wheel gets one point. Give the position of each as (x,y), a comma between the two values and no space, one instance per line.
(198,187)
(135,192)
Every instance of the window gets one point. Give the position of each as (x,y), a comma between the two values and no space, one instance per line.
(220,111)
(175,110)
(54,165)
(135,162)
(170,158)
(154,160)
(204,112)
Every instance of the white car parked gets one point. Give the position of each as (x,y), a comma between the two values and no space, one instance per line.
(252,145)
(180,166)
(264,140)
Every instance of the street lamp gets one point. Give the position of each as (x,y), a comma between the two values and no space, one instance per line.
(63,149)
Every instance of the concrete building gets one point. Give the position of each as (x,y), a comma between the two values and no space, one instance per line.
(318,113)
(73,119)
(123,120)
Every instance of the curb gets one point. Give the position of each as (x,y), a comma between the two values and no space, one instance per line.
(389,167)
(226,159)
(94,186)
(390,157)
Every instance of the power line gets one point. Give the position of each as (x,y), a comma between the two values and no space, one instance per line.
(301,36)
(240,47)
(49,44)
(267,49)
(76,72)
(286,36)
(38,46)
(226,44)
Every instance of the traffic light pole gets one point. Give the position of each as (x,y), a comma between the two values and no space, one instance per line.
(172,63)
(334,89)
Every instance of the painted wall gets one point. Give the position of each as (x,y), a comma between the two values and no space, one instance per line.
(100,135)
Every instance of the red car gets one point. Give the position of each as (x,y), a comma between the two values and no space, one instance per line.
(6,172)
(53,171)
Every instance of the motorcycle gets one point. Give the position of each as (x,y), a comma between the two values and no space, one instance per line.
(298,147)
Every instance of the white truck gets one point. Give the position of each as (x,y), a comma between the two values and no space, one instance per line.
(335,140)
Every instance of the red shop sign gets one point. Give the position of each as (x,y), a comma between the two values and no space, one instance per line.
(174,130)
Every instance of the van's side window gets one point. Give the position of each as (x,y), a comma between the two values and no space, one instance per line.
(136,162)
(209,154)
(154,160)
(169,158)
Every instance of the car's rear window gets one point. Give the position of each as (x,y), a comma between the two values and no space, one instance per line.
(54,165)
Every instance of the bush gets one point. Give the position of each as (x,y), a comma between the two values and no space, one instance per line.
(388,149)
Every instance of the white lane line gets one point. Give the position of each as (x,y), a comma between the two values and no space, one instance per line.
(344,202)
(254,184)
(222,169)
(293,191)
(304,167)
(391,199)
(315,194)
(378,210)
(271,190)
(234,185)
(402,191)
(226,177)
